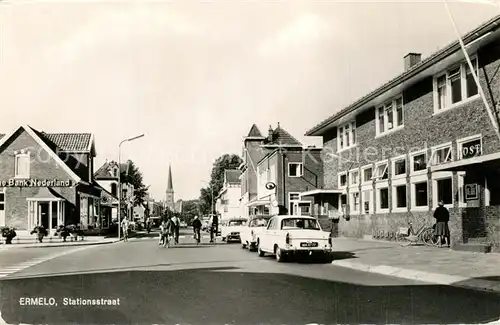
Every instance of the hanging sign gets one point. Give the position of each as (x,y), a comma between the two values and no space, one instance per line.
(471,192)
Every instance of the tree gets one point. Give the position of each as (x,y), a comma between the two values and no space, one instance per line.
(134,177)
(189,210)
(227,161)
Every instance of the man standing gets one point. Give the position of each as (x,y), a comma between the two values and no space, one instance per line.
(176,227)
(125,225)
(197,229)
(214,224)
(442,230)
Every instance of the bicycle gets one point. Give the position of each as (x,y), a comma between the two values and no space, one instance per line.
(408,236)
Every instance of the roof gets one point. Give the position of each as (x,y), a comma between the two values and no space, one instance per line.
(483,29)
(232,175)
(254,132)
(106,170)
(2,135)
(281,137)
(70,141)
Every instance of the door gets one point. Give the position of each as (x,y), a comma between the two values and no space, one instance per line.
(2,207)
(44,214)
(268,235)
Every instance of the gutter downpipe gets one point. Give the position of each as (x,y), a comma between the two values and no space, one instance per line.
(494,121)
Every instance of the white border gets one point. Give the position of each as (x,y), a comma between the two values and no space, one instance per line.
(412,162)
(393,167)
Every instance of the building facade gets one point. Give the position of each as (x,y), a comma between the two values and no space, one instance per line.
(47,179)
(228,200)
(424,136)
(276,169)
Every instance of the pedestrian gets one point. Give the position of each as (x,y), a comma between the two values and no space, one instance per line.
(214,225)
(176,225)
(197,229)
(170,231)
(442,231)
(125,225)
(163,232)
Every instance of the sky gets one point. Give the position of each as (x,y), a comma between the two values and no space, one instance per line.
(193,76)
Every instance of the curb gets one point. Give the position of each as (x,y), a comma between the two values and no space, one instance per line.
(14,246)
(430,277)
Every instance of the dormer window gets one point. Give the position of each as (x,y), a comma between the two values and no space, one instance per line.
(22,164)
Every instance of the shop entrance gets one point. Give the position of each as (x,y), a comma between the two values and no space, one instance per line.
(44,214)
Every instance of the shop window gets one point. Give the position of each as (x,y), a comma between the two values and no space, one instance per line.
(295,169)
(22,164)
(420,189)
(383,199)
(401,196)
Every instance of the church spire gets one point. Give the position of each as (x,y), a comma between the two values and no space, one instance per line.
(170,186)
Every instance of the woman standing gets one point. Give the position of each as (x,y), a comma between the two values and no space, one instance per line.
(442,231)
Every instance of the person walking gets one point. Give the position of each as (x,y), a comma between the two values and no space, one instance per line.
(125,225)
(163,233)
(197,229)
(176,228)
(214,224)
(442,231)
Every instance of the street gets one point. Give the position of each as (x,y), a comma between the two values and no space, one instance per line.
(222,284)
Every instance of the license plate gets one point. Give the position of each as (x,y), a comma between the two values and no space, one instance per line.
(309,244)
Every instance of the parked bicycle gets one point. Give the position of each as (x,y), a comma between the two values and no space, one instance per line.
(424,235)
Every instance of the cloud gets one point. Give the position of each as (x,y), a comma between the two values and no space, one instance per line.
(306,30)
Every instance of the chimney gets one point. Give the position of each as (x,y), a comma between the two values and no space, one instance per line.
(270,134)
(411,59)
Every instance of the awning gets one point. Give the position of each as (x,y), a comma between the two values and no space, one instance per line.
(463,164)
(258,202)
(319,192)
(46,194)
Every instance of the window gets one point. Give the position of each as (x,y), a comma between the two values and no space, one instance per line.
(295,169)
(418,162)
(22,164)
(113,189)
(305,208)
(390,116)
(367,174)
(470,147)
(399,195)
(367,196)
(441,154)
(455,86)
(294,223)
(381,171)
(442,188)
(399,167)
(346,135)
(419,194)
(382,199)
(354,175)
(354,204)
(294,198)
(343,179)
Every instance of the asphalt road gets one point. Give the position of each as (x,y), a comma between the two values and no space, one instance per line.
(224,284)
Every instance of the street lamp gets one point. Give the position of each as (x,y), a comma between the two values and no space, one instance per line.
(120,180)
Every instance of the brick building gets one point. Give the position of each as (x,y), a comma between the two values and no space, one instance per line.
(422,137)
(46,178)
(282,160)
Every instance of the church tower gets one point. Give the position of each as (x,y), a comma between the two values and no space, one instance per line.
(170,202)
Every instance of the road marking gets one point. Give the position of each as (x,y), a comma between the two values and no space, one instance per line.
(37,260)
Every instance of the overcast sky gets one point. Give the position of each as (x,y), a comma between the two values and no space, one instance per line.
(194,76)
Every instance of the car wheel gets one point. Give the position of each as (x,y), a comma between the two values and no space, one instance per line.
(329,257)
(260,251)
(279,254)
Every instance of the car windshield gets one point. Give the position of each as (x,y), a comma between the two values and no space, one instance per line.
(300,223)
(259,222)
(237,223)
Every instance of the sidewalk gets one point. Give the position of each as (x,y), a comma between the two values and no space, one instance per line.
(444,266)
(89,240)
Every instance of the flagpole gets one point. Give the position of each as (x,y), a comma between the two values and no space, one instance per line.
(473,71)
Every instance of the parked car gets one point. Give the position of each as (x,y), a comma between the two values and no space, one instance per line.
(231,229)
(254,228)
(294,236)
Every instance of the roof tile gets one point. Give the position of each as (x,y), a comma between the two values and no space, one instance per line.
(70,141)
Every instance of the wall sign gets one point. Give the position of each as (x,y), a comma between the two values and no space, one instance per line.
(471,192)
(35,183)
(471,149)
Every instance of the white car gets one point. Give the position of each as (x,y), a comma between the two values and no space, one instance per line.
(254,228)
(231,229)
(292,236)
